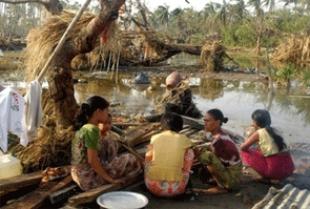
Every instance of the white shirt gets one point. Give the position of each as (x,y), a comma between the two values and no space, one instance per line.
(33,111)
(11,115)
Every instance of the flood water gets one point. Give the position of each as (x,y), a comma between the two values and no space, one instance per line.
(237,99)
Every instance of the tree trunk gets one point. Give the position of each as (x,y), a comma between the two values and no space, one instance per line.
(258,43)
(52,145)
(61,88)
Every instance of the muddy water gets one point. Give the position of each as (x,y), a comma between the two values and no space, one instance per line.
(237,99)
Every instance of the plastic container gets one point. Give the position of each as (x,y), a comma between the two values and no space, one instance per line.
(9,166)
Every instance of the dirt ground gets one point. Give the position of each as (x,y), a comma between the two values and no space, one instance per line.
(244,198)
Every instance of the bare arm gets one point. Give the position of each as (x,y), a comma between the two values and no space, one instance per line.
(149,154)
(250,141)
(93,160)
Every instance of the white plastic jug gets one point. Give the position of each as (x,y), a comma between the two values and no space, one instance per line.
(9,166)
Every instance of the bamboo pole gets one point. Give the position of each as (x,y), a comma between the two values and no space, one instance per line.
(62,40)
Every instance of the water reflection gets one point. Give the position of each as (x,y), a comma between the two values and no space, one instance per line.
(237,99)
(211,89)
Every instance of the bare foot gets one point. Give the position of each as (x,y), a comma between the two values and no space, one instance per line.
(250,172)
(211,191)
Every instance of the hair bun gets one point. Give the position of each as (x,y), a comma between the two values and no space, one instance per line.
(225,120)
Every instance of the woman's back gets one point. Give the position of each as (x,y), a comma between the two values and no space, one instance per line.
(168,156)
(266,143)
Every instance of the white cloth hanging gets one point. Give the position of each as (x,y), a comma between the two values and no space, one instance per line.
(33,111)
(11,114)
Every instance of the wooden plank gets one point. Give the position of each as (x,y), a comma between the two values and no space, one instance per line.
(24,180)
(36,198)
(140,131)
(21,181)
(91,195)
(129,124)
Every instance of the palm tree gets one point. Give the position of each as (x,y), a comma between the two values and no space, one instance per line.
(223,13)
(257,4)
(241,8)
(163,14)
(210,9)
(271,4)
(305,5)
(176,12)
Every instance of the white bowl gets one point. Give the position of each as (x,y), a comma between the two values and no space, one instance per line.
(122,200)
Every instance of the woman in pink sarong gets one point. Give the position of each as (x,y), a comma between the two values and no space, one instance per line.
(270,159)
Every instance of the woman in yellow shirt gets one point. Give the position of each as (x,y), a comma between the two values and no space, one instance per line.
(271,159)
(169,159)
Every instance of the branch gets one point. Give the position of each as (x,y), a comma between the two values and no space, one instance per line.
(143,14)
(100,24)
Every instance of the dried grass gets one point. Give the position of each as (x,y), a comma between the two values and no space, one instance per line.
(212,56)
(42,40)
(102,52)
(295,50)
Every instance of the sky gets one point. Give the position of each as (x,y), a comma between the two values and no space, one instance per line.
(196,4)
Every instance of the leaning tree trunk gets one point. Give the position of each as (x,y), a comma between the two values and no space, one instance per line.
(52,144)
(60,76)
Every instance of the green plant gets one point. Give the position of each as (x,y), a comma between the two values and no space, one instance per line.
(286,73)
(306,78)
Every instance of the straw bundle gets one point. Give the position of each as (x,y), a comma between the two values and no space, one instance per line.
(51,146)
(102,53)
(42,40)
(212,56)
(295,50)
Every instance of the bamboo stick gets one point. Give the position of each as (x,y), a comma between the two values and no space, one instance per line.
(62,40)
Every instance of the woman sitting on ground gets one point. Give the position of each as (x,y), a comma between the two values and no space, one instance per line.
(221,161)
(169,159)
(270,160)
(87,170)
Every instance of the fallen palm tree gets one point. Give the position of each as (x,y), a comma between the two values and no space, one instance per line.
(295,50)
(144,48)
(212,56)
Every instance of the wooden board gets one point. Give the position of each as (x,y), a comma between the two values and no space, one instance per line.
(36,198)
(140,131)
(91,195)
(21,181)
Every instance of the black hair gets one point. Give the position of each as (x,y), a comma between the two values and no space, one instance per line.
(88,108)
(218,115)
(263,120)
(171,121)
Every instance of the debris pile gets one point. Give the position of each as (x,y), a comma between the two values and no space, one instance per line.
(295,50)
